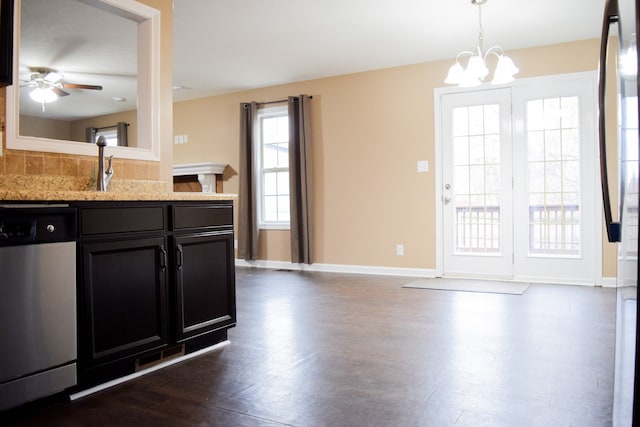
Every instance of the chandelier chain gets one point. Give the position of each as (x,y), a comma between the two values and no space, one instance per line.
(480,30)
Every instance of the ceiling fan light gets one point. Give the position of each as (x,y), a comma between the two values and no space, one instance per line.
(455,74)
(41,96)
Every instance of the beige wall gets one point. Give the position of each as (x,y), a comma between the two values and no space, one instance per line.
(77,130)
(45,128)
(369,130)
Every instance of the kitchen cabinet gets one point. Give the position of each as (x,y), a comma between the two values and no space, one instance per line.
(156,280)
(203,267)
(125,298)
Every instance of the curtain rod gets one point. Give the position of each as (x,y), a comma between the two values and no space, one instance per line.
(109,127)
(277,102)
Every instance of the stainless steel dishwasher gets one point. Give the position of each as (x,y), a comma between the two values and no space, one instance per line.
(37,302)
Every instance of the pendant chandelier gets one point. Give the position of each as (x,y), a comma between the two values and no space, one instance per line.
(477,70)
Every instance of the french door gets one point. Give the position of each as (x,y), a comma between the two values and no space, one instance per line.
(518,181)
(477,191)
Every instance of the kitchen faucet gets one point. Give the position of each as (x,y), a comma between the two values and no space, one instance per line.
(103,177)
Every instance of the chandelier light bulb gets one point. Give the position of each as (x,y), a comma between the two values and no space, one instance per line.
(455,74)
(505,71)
(477,67)
(469,79)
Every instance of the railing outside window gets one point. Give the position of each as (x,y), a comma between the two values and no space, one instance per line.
(553,229)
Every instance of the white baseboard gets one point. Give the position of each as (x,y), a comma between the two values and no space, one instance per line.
(607,282)
(339,268)
(153,368)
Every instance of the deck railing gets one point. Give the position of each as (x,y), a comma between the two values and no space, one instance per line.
(553,229)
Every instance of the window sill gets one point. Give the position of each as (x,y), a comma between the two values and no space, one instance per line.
(281,226)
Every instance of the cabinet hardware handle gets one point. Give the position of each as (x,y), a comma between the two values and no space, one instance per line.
(610,17)
(163,258)
(179,257)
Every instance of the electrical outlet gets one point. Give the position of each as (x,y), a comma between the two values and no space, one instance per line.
(400,250)
(423,166)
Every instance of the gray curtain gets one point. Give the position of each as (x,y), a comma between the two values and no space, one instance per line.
(91,135)
(300,179)
(247,211)
(123,138)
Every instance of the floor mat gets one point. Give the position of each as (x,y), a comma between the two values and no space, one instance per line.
(467,285)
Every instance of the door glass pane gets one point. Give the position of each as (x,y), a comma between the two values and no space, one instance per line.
(553,142)
(477,180)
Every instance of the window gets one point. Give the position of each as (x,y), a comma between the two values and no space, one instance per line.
(553,158)
(111,135)
(476,153)
(273,162)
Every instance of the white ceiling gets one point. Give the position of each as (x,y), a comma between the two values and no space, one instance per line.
(230,45)
(222,46)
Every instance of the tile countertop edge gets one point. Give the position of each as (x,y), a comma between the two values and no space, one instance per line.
(61,196)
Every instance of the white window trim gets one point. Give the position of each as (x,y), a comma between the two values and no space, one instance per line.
(266,113)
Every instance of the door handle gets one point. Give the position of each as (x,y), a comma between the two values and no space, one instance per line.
(610,17)
(446,200)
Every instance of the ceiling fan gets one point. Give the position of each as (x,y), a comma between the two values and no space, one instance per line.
(49,85)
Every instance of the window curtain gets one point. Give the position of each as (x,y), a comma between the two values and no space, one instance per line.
(247,197)
(91,135)
(300,179)
(123,136)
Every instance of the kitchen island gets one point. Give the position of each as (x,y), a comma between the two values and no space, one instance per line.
(155,273)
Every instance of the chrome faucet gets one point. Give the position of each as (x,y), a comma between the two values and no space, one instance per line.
(103,177)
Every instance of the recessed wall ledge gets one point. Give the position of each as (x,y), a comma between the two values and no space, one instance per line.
(206,173)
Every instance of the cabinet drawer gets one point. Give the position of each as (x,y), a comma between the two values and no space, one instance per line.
(202,216)
(121,219)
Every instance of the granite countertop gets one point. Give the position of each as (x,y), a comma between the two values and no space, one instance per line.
(59,188)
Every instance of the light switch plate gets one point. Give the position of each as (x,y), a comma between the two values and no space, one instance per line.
(423,166)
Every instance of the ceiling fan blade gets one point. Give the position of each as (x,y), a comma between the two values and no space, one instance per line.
(52,77)
(79,86)
(59,91)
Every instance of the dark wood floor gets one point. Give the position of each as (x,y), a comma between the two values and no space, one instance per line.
(318,349)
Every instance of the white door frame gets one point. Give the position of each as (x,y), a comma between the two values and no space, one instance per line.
(438,194)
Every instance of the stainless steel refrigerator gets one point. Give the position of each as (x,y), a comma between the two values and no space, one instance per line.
(619,54)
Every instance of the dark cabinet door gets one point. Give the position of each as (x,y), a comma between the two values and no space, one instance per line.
(204,283)
(124,298)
